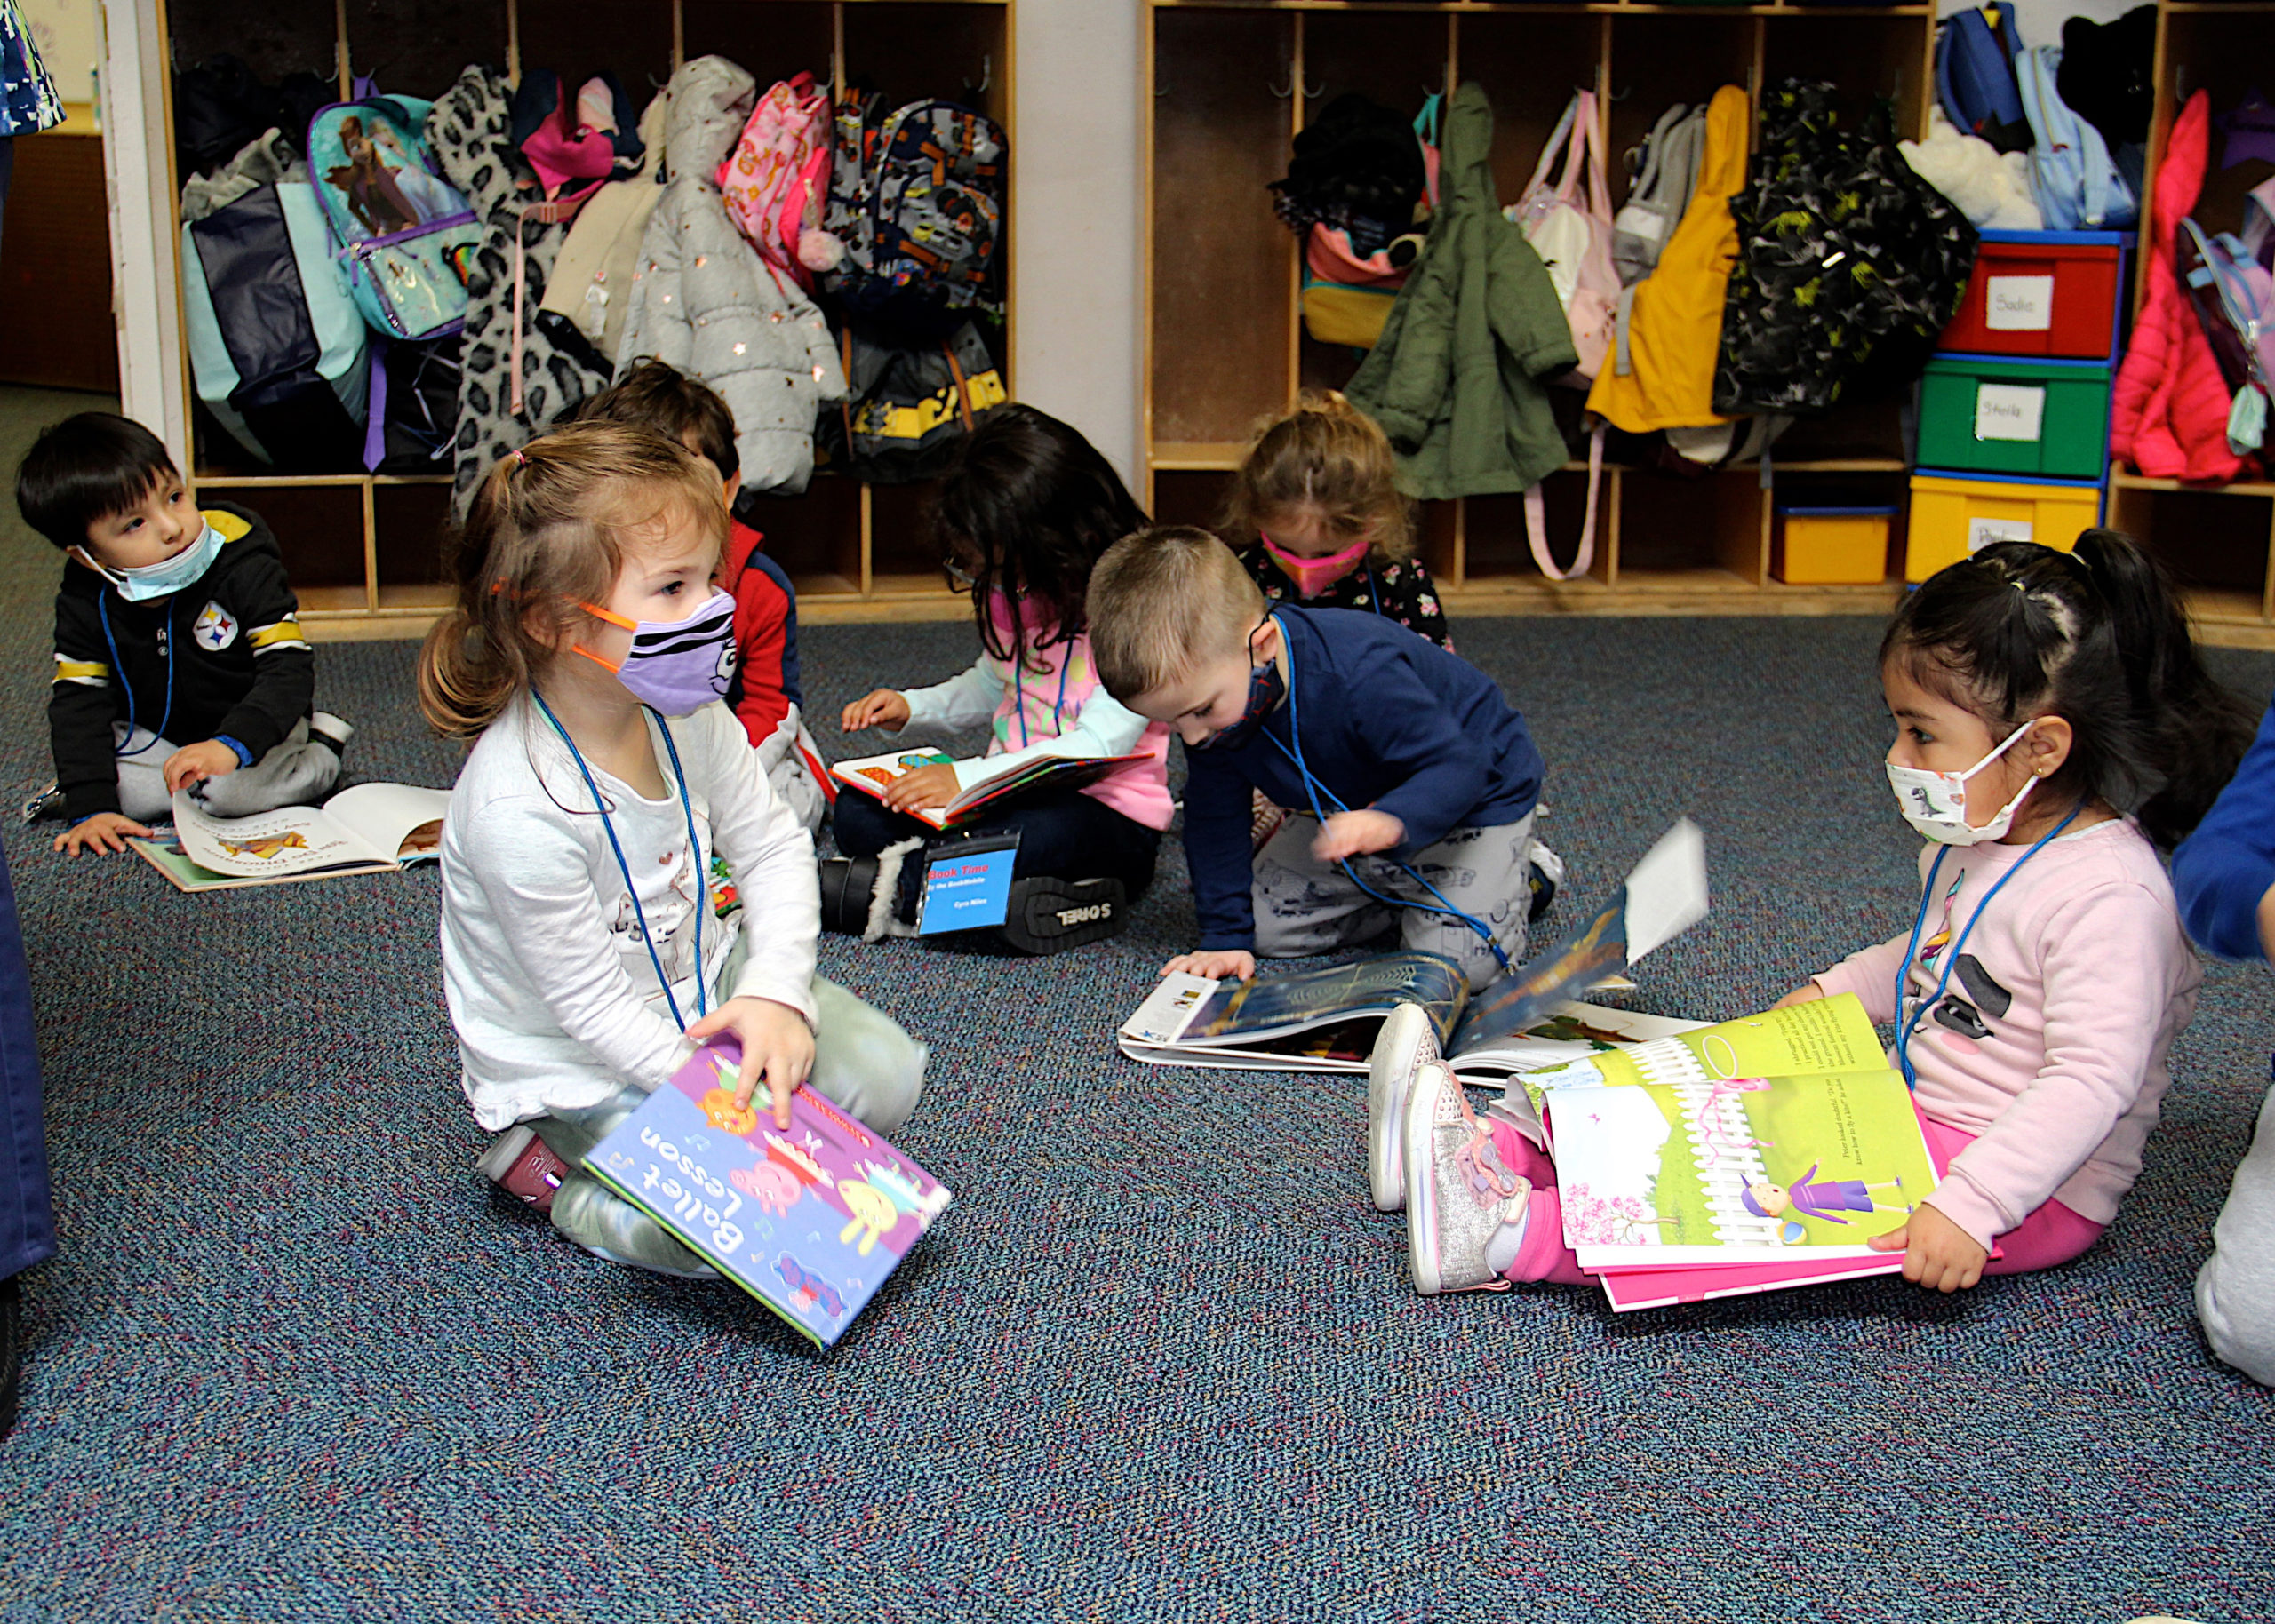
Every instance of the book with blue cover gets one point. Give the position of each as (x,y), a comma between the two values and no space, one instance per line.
(810,1222)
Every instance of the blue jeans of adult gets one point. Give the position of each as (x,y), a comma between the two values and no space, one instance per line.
(27,1215)
(1064,834)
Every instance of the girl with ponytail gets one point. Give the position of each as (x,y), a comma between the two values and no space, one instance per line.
(2055,730)
(620,881)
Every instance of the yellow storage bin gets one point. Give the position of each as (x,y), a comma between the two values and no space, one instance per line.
(1951,518)
(1831,547)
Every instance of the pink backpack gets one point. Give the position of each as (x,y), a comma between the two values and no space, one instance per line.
(775,181)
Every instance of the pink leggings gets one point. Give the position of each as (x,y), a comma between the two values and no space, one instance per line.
(2051,1235)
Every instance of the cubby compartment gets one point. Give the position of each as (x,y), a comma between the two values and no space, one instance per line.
(419,47)
(816,537)
(411,520)
(1496,551)
(2216,544)
(2224,51)
(1191,497)
(774,42)
(1222,266)
(1530,66)
(1866,59)
(270,39)
(1657,60)
(319,529)
(904,552)
(1689,533)
(924,50)
(576,38)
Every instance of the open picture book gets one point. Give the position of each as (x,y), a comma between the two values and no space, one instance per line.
(368,829)
(1326,1020)
(871,774)
(810,1221)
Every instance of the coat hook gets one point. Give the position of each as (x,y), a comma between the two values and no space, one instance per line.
(1314,93)
(987,76)
(1283,90)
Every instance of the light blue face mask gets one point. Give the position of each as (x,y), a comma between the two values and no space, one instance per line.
(165,578)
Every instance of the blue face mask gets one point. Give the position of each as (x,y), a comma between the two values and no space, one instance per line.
(165,578)
(1266,689)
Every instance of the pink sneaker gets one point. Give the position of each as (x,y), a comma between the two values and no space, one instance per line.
(523,1165)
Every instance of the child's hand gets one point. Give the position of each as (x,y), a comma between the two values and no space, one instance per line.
(195,763)
(777,1042)
(104,831)
(1937,1253)
(926,786)
(1237,965)
(883,708)
(1350,834)
(1807,992)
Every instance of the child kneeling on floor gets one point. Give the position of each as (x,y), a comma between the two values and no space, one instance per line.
(173,625)
(619,879)
(1421,779)
(2054,730)
(1024,513)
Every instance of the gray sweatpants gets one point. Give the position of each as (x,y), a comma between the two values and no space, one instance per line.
(298,772)
(1306,906)
(2235,1292)
(863,1061)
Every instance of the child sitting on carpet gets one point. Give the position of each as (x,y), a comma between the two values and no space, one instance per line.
(765,693)
(1317,516)
(2037,993)
(618,878)
(178,659)
(1024,513)
(1420,777)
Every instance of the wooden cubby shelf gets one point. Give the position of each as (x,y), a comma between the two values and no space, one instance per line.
(364,550)
(1231,83)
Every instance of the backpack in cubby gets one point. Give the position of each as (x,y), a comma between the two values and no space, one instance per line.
(916,200)
(2071,174)
(1976,73)
(775,181)
(406,238)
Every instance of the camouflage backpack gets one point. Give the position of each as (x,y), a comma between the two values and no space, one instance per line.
(916,198)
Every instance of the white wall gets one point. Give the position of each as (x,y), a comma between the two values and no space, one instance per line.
(1077,330)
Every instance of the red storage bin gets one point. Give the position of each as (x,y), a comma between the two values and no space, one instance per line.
(2041,293)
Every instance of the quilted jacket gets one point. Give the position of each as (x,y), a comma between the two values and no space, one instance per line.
(2168,410)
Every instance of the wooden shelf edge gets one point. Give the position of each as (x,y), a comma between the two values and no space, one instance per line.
(2120,480)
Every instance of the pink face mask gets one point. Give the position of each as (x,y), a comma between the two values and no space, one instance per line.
(1313,575)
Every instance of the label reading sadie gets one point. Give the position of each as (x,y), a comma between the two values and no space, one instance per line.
(1981,533)
(2010,412)
(2018,304)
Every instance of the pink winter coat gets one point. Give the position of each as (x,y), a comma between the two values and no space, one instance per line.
(2168,412)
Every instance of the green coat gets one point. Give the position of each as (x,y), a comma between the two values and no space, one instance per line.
(1456,381)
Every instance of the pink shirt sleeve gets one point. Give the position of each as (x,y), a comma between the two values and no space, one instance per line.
(1870,974)
(2108,967)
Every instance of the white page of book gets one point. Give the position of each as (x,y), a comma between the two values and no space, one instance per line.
(289,841)
(385,815)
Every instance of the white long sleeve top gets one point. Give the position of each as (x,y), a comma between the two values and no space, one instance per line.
(546,960)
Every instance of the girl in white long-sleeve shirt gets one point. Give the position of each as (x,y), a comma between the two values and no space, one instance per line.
(1027,509)
(619,879)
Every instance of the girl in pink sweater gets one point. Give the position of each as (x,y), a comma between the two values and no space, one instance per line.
(2054,730)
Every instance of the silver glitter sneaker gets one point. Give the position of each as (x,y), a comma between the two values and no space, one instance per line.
(1406,1043)
(1458,1191)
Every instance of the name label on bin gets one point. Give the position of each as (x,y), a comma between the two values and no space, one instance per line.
(2018,304)
(1982,532)
(2010,412)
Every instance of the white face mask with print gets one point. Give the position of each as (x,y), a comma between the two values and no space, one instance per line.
(1935,803)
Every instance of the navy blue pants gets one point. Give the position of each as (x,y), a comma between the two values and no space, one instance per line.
(1064,834)
(27,1219)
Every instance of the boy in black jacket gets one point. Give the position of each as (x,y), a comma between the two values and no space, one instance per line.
(172,623)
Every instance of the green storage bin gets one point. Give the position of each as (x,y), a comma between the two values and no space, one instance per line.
(2028,417)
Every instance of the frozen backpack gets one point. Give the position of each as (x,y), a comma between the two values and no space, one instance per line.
(916,200)
(406,238)
(1976,75)
(775,181)
(2077,185)
(2234,296)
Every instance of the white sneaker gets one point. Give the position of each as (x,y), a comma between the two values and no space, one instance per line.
(1458,1191)
(1405,1042)
(333,730)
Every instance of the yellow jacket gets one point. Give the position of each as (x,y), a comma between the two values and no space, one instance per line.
(1674,324)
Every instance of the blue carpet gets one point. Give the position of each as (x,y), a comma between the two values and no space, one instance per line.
(1159,1362)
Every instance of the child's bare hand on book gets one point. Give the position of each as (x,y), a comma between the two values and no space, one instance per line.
(1351,834)
(1807,992)
(777,1044)
(883,707)
(1239,965)
(1937,1253)
(924,786)
(104,831)
(195,763)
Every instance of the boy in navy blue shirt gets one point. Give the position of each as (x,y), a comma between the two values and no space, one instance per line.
(1422,778)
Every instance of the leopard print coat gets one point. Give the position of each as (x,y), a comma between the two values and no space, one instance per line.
(468,131)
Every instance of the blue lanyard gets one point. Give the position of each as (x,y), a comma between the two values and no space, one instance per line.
(1314,789)
(694,852)
(173,635)
(1019,692)
(1904,1027)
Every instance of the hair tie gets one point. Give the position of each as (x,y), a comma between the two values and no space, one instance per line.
(521,457)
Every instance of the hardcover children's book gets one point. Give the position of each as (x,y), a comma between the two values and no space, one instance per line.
(372,828)
(810,1221)
(872,774)
(1326,1020)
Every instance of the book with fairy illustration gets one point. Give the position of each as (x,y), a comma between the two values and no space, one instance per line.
(372,828)
(1326,1020)
(872,775)
(810,1221)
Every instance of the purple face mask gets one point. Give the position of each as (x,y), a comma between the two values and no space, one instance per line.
(676,666)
